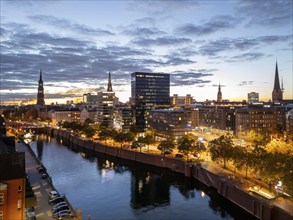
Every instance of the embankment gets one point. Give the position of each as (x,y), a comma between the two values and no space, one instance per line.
(260,208)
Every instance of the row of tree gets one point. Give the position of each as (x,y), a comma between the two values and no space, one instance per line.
(267,162)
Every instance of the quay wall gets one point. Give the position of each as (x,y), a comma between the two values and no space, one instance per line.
(260,208)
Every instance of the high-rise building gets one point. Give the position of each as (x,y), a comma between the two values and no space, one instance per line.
(253,97)
(105,105)
(40,97)
(277,94)
(148,91)
(219,96)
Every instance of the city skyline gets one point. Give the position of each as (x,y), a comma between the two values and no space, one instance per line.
(199,44)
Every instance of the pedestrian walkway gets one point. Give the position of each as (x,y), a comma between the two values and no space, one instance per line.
(41,187)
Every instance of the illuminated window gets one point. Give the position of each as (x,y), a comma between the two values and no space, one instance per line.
(1,198)
(19,188)
(1,215)
(19,204)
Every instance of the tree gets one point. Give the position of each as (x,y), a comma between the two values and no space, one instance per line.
(221,149)
(186,146)
(120,138)
(89,131)
(256,137)
(166,145)
(242,157)
(148,140)
(199,147)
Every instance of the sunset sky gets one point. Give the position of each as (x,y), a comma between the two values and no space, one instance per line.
(199,43)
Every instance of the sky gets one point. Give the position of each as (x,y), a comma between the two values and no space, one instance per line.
(199,43)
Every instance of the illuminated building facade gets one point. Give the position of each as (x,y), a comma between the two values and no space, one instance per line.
(170,123)
(176,100)
(148,91)
(105,106)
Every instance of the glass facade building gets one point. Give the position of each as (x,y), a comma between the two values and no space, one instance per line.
(148,91)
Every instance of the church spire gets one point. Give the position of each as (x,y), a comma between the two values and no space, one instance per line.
(40,96)
(109,89)
(219,97)
(277,94)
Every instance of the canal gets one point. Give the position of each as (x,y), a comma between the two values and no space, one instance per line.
(106,187)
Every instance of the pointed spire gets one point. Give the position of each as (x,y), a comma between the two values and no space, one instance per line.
(40,76)
(277,81)
(109,89)
(219,87)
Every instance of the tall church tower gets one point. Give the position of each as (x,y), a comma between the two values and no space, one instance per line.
(277,94)
(219,97)
(109,89)
(40,97)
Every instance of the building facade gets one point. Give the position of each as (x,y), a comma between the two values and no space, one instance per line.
(170,123)
(148,91)
(176,100)
(105,106)
(252,97)
(69,115)
(258,118)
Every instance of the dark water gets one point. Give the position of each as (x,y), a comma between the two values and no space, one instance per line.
(106,187)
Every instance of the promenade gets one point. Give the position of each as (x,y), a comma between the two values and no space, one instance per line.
(40,186)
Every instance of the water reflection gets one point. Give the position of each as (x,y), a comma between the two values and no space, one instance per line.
(40,146)
(134,190)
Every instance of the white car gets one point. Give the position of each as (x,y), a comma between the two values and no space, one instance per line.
(63,212)
(53,194)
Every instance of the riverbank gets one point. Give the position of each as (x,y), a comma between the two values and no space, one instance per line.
(40,186)
(208,173)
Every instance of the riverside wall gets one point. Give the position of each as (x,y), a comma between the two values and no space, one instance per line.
(259,208)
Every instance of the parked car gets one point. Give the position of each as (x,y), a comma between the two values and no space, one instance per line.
(65,216)
(30,214)
(53,194)
(54,207)
(44,176)
(167,152)
(57,214)
(63,207)
(56,200)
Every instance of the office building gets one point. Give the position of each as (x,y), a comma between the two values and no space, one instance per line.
(105,105)
(148,91)
(176,100)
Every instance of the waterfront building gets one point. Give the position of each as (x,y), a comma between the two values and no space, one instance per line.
(148,91)
(219,95)
(252,97)
(176,100)
(170,123)
(69,115)
(277,94)
(12,178)
(123,119)
(105,105)
(40,96)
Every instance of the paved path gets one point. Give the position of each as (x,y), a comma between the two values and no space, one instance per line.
(40,186)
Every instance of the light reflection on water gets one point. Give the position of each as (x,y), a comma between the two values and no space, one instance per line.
(106,187)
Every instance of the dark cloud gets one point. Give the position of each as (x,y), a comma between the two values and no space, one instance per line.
(212,48)
(66,24)
(217,23)
(138,31)
(267,12)
(246,57)
(245,83)
(161,41)
(181,78)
